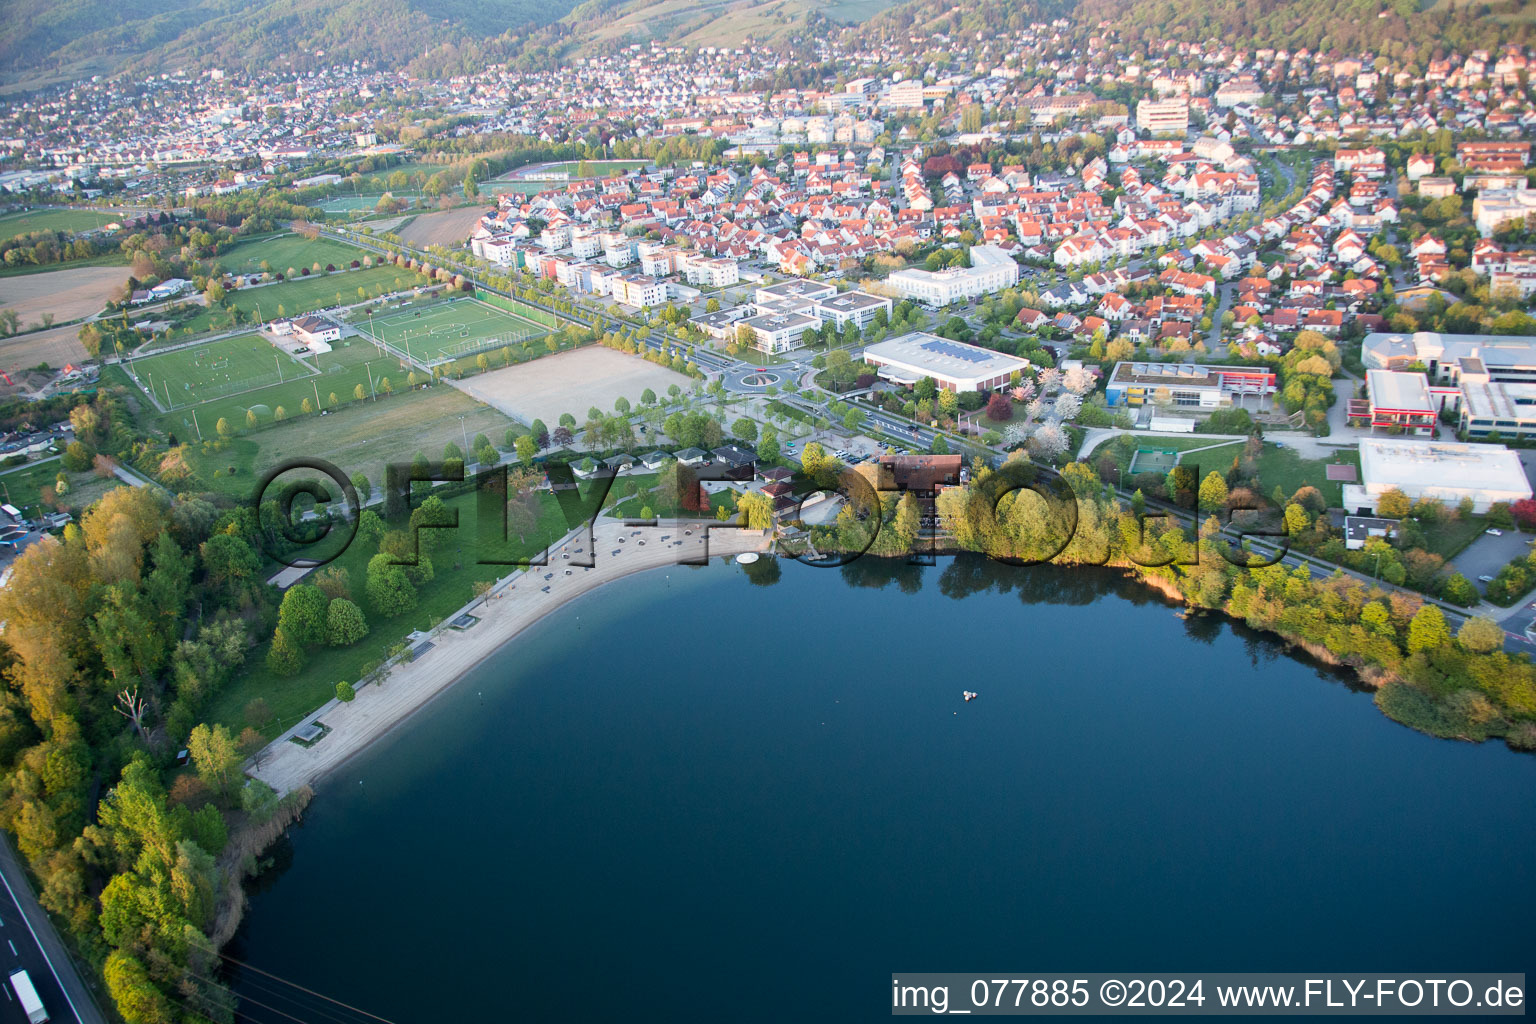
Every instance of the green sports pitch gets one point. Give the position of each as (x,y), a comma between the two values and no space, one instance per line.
(450,330)
(217,369)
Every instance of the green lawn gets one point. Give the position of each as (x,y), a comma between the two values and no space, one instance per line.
(351,363)
(1449,539)
(292,698)
(191,376)
(288,250)
(1286,467)
(23,487)
(359,438)
(72,220)
(301,295)
(1178,444)
(444,330)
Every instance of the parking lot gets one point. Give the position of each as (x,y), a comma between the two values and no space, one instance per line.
(1488,554)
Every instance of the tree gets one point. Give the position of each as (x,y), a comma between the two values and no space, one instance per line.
(285,657)
(1393,504)
(345,692)
(999,408)
(361,485)
(1479,635)
(526,449)
(222,427)
(302,615)
(388,589)
(215,755)
(1213,492)
(745,429)
(1428,630)
(344,623)
(755,510)
(1297,521)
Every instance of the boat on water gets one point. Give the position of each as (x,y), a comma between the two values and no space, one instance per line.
(746,557)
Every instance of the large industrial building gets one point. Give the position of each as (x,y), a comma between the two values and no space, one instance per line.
(1189,385)
(954,365)
(1444,471)
(991,270)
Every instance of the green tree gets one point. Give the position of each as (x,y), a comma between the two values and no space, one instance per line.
(285,657)
(302,614)
(1428,630)
(1479,635)
(344,623)
(345,692)
(215,756)
(389,591)
(745,429)
(1213,492)
(526,449)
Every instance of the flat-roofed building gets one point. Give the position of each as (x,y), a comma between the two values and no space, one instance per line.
(1440,470)
(1188,385)
(639,290)
(1502,357)
(1400,401)
(796,294)
(1163,117)
(1495,408)
(778,332)
(991,270)
(857,308)
(953,365)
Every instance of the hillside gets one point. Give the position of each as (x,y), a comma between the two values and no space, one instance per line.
(600,23)
(160,34)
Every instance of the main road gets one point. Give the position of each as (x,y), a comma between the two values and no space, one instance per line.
(29,942)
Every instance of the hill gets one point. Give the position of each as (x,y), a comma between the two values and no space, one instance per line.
(159,34)
(600,24)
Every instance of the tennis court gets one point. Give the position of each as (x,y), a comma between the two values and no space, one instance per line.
(439,333)
(1154,460)
(229,366)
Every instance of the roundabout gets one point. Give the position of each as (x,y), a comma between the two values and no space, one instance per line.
(752,381)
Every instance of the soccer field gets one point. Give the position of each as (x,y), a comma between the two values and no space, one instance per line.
(449,330)
(189,376)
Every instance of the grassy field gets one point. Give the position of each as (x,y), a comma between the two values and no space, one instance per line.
(303,294)
(191,376)
(348,204)
(362,438)
(1286,467)
(13,224)
(455,572)
(351,363)
(450,330)
(23,487)
(284,251)
(1178,444)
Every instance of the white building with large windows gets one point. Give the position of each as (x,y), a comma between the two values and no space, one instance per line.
(954,365)
(991,270)
(1444,471)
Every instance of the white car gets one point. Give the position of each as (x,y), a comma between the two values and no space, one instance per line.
(1494,533)
(1485,579)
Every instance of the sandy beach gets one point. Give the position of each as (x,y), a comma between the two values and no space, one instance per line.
(286,765)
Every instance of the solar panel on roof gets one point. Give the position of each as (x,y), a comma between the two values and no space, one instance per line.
(949,348)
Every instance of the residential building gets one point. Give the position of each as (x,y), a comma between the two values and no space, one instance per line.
(991,270)
(1163,117)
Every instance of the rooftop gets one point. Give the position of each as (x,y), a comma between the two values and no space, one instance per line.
(942,357)
(1397,391)
(1393,462)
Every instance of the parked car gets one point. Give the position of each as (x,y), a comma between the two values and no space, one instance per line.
(1485,579)
(1494,533)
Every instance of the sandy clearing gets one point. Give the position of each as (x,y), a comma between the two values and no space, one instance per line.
(57,347)
(570,382)
(446,227)
(67,294)
(285,765)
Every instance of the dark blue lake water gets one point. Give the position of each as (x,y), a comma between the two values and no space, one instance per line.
(696,797)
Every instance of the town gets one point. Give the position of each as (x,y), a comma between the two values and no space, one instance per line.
(323,377)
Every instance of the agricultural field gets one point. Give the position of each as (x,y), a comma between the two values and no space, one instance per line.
(57,347)
(571,382)
(449,330)
(67,294)
(445,227)
(72,220)
(353,363)
(357,439)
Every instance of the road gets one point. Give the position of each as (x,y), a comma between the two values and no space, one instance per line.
(28,942)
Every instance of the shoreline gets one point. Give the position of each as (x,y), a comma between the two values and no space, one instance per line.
(380,708)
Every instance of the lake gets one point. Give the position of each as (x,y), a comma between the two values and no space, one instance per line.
(699,795)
